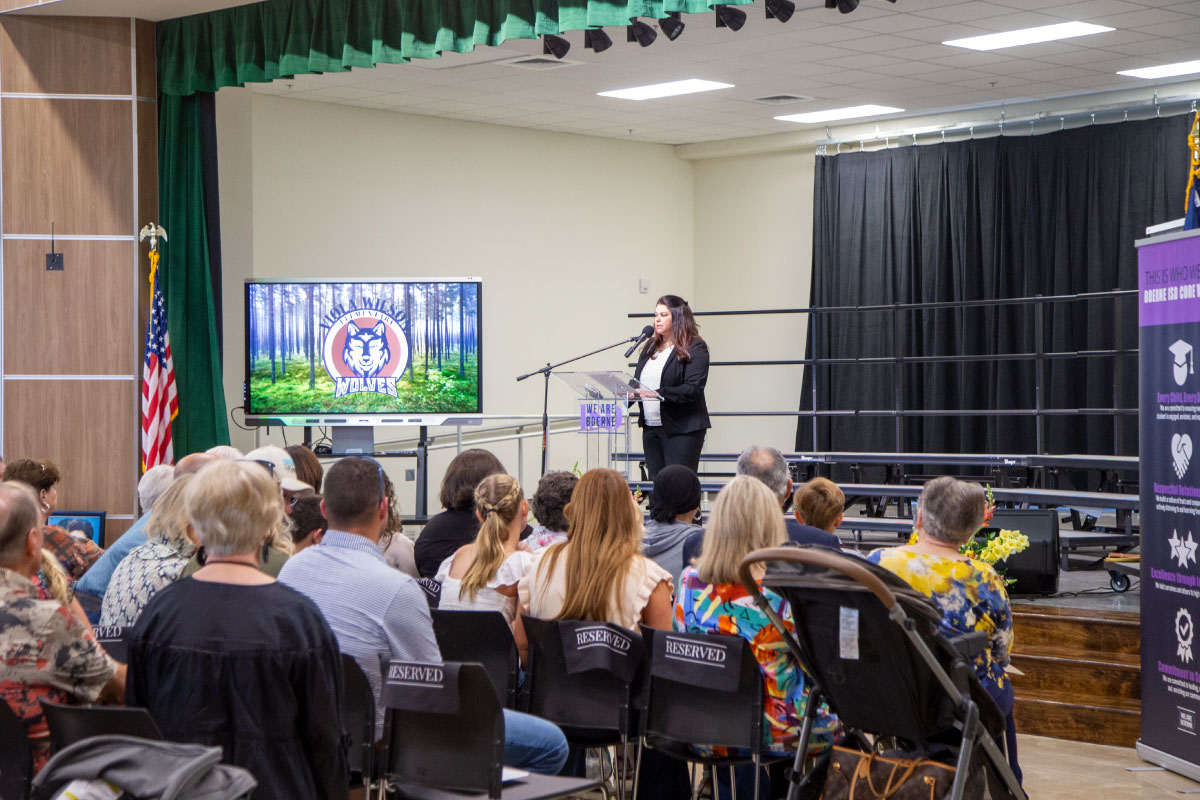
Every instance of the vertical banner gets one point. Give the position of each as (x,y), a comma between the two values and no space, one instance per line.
(1169,323)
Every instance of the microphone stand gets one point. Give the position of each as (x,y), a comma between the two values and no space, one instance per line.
(545,372)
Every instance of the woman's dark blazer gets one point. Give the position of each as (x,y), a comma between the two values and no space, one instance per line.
(683,406)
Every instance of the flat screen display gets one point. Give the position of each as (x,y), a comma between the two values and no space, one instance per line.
(363,352)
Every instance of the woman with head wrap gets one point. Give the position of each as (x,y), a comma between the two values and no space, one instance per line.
(673,506)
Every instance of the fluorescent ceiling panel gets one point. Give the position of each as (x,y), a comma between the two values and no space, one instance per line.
(656,90)
(851,112)
(1044,33)
(1163,70)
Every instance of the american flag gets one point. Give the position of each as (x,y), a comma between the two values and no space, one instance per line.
(159,402)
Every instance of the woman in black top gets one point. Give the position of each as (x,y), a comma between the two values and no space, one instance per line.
(444,533)
(230,658)
(673,429)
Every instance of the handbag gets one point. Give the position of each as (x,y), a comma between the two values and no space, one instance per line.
(855,775)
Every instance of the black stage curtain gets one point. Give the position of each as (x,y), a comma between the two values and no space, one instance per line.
(983,219)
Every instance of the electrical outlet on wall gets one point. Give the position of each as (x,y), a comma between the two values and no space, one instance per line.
(643,285)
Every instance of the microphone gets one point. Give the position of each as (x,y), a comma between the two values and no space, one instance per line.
(647,332)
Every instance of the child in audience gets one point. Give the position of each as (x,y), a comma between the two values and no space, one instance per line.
(483,575)
(552,495)
(308,523)
(711,599)
(819,504)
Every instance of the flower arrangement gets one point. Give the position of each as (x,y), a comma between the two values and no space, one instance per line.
(996,546)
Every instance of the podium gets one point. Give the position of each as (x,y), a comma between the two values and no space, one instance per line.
(604,399)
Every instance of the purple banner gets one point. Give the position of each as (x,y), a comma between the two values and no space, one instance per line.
(1169,282)
(596,416)
(1169,315)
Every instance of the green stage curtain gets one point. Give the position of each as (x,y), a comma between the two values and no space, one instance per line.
(187,283)
(280,38)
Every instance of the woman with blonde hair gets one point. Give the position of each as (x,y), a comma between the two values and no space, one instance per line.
(599,573)
(230,658)
(157,563)
(711,599)
(483,575)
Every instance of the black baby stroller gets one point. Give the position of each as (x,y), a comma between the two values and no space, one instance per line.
(871,645)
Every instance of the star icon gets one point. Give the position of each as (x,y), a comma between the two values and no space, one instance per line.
(1182,550)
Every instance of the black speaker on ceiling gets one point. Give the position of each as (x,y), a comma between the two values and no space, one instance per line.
(1035,569)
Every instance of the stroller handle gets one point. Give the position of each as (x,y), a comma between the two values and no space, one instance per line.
(817,558)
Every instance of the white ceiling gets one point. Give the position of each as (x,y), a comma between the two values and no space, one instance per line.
(884,53)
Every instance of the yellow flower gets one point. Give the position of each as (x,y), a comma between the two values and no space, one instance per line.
(913,539)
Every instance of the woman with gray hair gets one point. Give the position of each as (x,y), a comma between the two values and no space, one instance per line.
(230,658)
(156,563)
(969,592)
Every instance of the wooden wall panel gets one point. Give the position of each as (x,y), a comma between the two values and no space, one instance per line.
(87,428)
(65,55)
(113,528)
(78,321)
(69,162)
(147,205)
(147,63)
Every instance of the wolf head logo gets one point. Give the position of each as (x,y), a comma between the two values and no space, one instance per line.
(366,349)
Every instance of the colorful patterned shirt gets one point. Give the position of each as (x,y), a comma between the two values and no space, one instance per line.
(971,597)
(701,607)
(75,553)
(45,654)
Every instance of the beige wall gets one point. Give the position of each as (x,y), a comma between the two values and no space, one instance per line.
(753,245)
(560,228)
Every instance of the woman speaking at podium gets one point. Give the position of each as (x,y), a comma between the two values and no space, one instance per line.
(674,363)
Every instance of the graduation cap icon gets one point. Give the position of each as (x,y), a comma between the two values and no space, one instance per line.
(1183,364)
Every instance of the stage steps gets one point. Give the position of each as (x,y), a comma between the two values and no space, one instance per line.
(1082,673)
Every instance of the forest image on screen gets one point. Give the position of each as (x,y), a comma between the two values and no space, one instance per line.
(362,348)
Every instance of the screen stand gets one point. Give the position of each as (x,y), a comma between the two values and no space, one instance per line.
(353,440)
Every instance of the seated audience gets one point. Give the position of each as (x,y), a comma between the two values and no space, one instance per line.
(553,493)
(155,564)
(194,462)
(94,582)
(277,545)
(49,653)
(397,549)
(76,554)
(308,467)
(673,505)
(225,452)
(457,525)
(769,466)
(483,575)
(308,523)
(380,613)
(818,506)
(712,599)
(230,658)
(283,468)
(599,574)
(970,594)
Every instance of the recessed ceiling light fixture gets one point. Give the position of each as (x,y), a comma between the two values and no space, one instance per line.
(851,112)
(1163,70)
(1044,33)
(689,86)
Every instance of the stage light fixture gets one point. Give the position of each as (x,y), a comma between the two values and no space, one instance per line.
(555,46)
(640,32)
(597,40)
(730,17)
(781,10)
(671,25)
(844,6)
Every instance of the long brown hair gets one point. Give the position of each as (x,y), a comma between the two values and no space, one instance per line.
(604,539)
(498,500)
(684,329)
